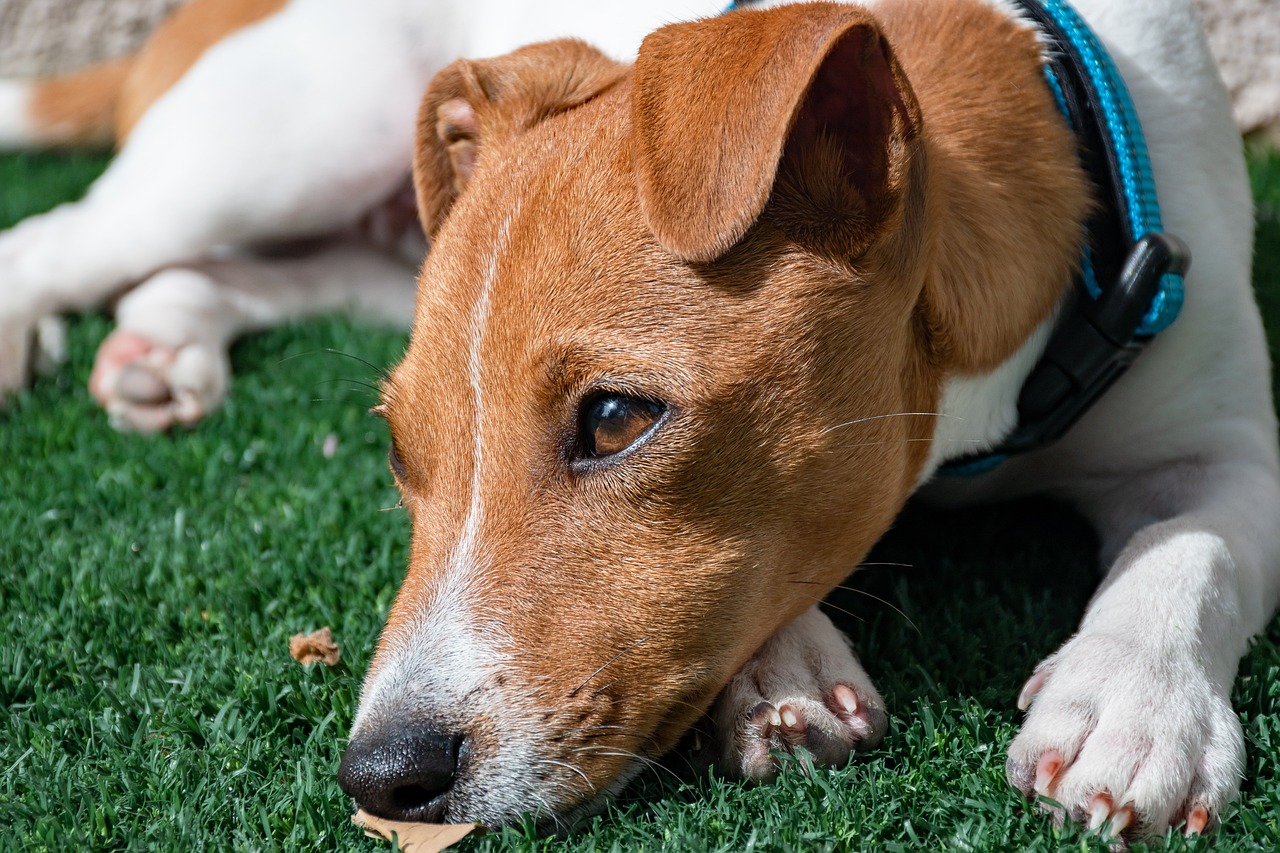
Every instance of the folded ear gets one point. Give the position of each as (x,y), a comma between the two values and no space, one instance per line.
(475,104)
(724,107)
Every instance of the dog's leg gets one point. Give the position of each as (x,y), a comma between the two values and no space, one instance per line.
(167,360)
(1130,722)
(293,127)
(803,688)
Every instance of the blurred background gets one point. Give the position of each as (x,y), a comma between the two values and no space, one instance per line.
(39,36)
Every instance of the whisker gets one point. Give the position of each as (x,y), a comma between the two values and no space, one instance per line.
(608,663)
(868,595)
(359,382)
(822,600)
(615,729)
(891,415)
(545,807)
(600,690)
(930,440)
(577,770)
(598,735)
(623,753)
(380,371)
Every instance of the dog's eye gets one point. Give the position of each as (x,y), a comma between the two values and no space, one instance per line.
(397,466)
(610,423)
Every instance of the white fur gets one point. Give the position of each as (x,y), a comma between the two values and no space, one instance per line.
(976,412)
(796,670)
(16,129)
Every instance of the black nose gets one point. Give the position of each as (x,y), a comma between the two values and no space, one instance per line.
(400,773)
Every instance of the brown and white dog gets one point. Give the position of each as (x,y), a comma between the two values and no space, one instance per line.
(691,333)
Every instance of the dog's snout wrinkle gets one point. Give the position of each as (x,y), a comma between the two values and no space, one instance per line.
(401,772)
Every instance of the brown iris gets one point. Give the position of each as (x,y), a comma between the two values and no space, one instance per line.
(610,423)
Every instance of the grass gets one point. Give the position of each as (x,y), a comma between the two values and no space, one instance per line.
(149,588)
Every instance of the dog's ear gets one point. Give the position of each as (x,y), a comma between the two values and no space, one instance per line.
(475,104)
(809,96)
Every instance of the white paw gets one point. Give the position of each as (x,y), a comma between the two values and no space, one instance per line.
(149,387)
(803,688)
(1127,741)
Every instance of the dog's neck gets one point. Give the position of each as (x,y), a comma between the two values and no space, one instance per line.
(1002,200)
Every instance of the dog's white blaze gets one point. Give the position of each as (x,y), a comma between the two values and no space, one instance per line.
(452,647)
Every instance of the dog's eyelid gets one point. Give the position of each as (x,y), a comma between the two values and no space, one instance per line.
(396,463)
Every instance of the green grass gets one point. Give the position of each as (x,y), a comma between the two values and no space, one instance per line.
(148,588)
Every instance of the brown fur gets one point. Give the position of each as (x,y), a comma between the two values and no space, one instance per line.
(79,108)
(102,103)
(772,291)
(704,177)
(1005,201)
(510,94)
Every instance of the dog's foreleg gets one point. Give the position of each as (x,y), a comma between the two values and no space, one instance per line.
(1130,722)
(167,360)
(805,689)
(293,127)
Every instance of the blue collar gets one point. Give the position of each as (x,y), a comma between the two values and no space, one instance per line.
(1130,284)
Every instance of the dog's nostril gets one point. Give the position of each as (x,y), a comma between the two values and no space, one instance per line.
(400,773)
(408,799)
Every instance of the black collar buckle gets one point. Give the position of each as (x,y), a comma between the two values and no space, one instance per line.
(1093,345)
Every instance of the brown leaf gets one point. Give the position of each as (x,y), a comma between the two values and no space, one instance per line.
(316,646)
(414,837)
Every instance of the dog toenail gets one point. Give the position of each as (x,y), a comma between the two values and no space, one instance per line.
(1197,821)
(139,385)
(1031,688)
(1122,820)
(764,715)
(788,717)
(1046,769)
(846,698)
(1099,811)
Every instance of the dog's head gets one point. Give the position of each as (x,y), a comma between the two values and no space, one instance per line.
(640,424)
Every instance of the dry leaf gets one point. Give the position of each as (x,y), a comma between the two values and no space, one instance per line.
(316,646)
(414,837)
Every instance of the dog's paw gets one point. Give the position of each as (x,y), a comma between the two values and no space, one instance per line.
(28,345)
(1125,741)
(148,387)
(803,689)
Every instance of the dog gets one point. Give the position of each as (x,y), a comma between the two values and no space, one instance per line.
(262,176)
(690,335)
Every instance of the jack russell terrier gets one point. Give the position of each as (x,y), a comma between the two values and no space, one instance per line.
(246,124)
(691,333)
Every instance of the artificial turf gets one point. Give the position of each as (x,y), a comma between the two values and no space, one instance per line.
(148,588)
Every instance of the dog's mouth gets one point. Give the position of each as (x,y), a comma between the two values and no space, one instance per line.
(507,766)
